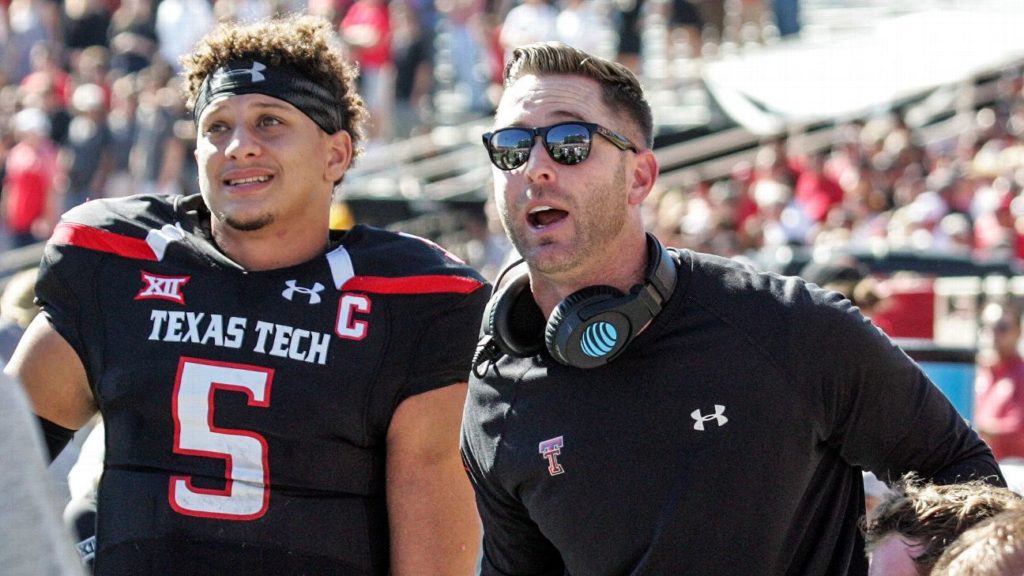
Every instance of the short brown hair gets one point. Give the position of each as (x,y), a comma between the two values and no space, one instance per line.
(620,89)
(935,515)
(306,42)
(994,547)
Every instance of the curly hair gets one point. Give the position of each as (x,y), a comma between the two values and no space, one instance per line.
(306,42)
(620,89)
(935,515)
(994,547)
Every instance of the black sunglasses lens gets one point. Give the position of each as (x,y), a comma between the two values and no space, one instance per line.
(510,147)
(568,144)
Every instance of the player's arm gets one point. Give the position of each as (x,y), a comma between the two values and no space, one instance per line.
(54,380)
(434,525)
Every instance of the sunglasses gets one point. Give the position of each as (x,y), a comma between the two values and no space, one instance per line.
(568,143)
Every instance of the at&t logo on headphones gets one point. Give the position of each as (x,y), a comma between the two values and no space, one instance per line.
(587,329)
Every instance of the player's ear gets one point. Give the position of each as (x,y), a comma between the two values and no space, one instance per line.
(339,155)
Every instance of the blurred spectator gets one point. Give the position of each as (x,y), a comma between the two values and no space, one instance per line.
(412,46)
(996,234)
(132,36)
(912,525)
(993,548)
(366,29)
(123,127)
(43,94)
(815,191)
(32,23)
(959,233)
(999,383)
(93,67)
(583,24)
(85,24)
(629,19)
(530,21)
(47,72)
(49,87)
(179,24)
(157,156)
(469,62)
(29,199)
(87,158)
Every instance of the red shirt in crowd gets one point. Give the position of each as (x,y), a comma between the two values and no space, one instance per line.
(28,183)
(999,406)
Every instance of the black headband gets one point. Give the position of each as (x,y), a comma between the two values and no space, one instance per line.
(282,82)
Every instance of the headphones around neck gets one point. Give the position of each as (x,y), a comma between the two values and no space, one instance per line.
(587,329)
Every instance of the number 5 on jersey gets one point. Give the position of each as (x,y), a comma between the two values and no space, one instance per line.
(246,491)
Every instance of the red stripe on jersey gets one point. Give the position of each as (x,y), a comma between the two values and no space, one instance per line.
(434,284)
(102,241)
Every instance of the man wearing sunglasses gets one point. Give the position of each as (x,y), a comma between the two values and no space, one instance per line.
(639,410)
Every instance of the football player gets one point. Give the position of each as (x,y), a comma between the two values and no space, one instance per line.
(278,398)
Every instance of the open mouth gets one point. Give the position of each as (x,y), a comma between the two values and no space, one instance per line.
(543,216)
(250,180)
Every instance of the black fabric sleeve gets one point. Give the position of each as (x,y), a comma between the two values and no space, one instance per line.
(446,345)
(57,436)
(881,411)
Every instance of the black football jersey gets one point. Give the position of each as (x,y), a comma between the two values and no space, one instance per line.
(247,412)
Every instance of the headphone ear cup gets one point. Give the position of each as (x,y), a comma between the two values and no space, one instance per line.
(586,342)
(514,320)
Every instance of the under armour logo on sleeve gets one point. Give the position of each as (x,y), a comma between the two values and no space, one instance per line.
(700,419)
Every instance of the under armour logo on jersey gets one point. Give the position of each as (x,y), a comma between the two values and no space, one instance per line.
(159,239)
(313,293)
(223,74)
(718,416)
(162,287)
(550,449)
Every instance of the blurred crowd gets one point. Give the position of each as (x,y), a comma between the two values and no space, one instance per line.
(90,107)
(90,104)
(878,184)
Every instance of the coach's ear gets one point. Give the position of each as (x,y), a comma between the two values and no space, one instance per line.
(643,175)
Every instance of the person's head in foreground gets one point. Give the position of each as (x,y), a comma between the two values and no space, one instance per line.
(994,547)
(913,525)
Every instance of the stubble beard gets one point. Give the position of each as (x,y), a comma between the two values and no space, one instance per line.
(251,225)
(597,223)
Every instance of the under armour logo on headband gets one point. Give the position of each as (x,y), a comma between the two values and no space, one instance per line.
(225,75)
(282,81)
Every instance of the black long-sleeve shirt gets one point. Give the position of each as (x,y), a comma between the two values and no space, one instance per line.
(729,438)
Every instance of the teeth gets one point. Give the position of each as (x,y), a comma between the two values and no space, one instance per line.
(252,180)
(540,209)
